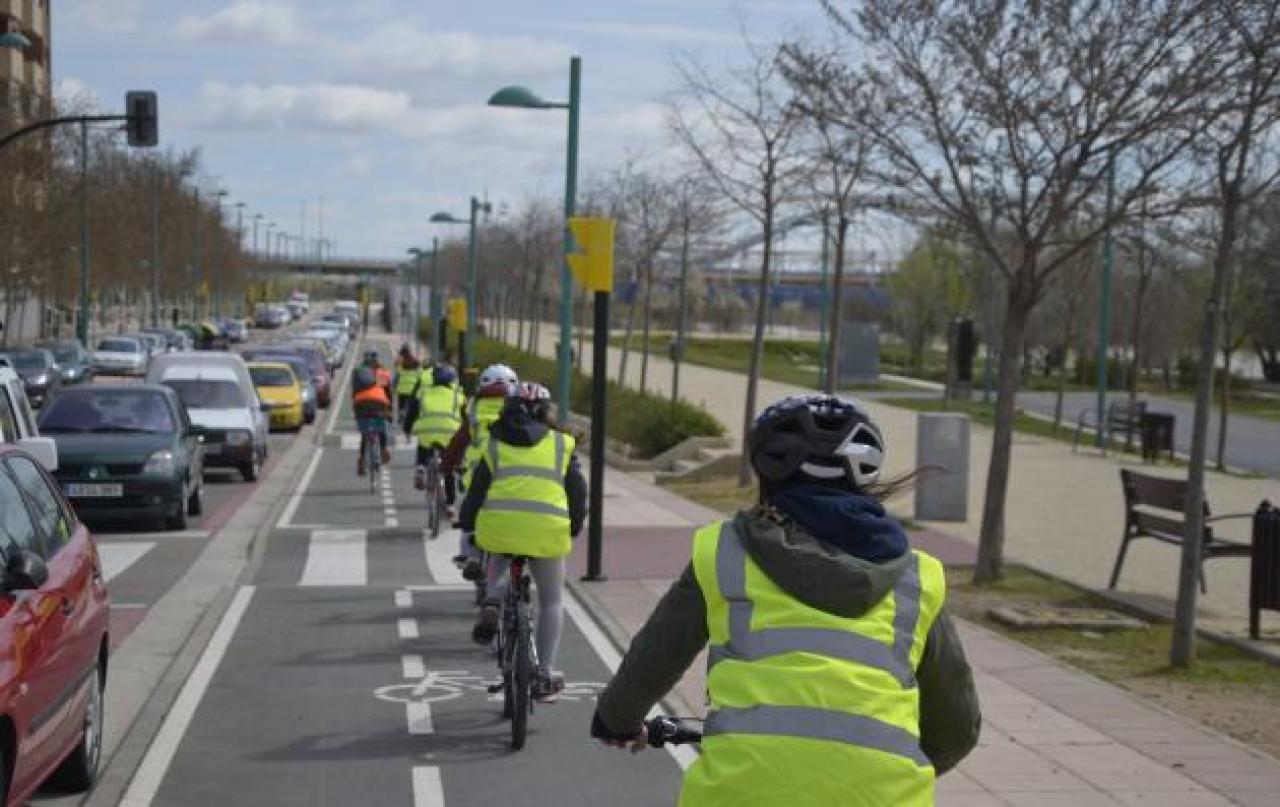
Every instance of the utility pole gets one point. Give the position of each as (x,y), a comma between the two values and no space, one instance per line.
(155,244)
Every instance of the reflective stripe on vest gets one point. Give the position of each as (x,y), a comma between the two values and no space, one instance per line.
(783,675)
(747,645)
(481,414)
(500,471)
(526,508)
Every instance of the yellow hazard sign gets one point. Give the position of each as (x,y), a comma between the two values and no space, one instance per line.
(592,258)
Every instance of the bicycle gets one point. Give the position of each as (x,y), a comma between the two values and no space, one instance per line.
(663,730)
(370,437)
(517,656)
(437,501)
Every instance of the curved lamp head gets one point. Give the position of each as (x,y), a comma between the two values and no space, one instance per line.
(518,97)
(15,40)
(446,218)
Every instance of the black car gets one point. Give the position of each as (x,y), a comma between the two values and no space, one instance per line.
(39,371)
(127,451)
(73,360)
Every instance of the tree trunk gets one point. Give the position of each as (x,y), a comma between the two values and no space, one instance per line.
(837,305)
(757,345)
(645,326)
(1224,407)
(1183,651)
(682,312)
(990,566)
(626,338)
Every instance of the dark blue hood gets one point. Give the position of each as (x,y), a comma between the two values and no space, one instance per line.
(847,521)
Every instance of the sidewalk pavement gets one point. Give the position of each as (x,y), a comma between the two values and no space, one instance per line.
(1064,512)
(1051,735)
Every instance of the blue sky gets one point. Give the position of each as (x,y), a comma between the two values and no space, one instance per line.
(378,105)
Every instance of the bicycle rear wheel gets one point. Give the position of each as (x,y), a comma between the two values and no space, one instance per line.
(371,462)
(522,684)
(433,501)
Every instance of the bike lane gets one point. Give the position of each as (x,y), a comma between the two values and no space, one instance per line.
(344,674)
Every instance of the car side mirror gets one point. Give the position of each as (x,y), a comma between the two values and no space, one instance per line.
(25,571)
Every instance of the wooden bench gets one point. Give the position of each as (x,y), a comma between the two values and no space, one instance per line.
(1153,508)
(1121,419)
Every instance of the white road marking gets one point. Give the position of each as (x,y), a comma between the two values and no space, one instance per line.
(413,667)
(439,552)
(683,754)
(391,522)
(418,715)
(146,782)
(286,518)
(428,790)
(116,558)
(404,598)
(350,441)
(335,558)
(407,628)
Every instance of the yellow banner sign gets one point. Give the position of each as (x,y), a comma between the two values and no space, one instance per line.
(592,259)
(458,314)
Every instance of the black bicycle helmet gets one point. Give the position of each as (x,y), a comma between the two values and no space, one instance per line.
(823,437)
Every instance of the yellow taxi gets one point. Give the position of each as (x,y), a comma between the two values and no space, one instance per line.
(280,392)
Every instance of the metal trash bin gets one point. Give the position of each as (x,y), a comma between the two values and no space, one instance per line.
(1157,435)
(1264,566)
(942,447)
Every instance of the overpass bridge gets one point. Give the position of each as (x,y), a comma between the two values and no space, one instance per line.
(264,266)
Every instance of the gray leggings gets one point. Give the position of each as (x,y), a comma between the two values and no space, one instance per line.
(548,578)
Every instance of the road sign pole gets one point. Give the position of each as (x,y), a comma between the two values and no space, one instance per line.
(84,234)
(599,405)
(565,353)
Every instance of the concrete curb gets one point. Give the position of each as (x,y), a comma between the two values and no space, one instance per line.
(156,659)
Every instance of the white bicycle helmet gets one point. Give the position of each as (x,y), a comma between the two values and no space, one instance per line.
(500,374)
(820,436)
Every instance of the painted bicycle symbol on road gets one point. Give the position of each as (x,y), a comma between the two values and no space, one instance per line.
(438,686)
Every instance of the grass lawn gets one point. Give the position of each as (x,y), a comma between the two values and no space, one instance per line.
(1228,690)
(788,361)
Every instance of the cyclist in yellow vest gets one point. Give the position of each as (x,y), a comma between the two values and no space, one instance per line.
(497,383)
(834,675)
(433,416)
(408,371)
(527,498)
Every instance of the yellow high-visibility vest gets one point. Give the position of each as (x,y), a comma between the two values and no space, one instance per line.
(526,510)
(481,414)
(809,709)
(439,415)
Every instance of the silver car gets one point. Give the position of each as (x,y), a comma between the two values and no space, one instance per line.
(121,355)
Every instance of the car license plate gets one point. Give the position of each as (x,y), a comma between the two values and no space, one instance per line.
(95,490)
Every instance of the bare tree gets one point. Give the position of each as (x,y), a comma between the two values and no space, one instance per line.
(1017,110)
(741,127)
(696,213)
(1240,149)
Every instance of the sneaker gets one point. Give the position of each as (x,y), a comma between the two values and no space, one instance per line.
(419,478)
(486,626)
(546,686)
(460,560)
(471,570)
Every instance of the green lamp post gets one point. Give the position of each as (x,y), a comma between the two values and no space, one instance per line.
(517,97)
(477,207)
(15,40)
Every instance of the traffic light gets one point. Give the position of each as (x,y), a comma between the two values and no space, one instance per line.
(143,123)
(592,259)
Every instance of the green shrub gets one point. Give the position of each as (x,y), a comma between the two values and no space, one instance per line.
(648,423)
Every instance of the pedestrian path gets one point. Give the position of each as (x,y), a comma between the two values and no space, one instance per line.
(1064,511)
(1051,735)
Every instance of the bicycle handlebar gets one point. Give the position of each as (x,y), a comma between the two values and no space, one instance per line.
(663,730)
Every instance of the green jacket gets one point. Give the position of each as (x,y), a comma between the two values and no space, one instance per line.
(822,578)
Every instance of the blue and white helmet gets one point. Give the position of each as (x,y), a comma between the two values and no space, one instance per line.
(824,437)
(500,374)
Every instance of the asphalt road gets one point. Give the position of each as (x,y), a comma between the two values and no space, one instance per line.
(343,673)
(1253,444)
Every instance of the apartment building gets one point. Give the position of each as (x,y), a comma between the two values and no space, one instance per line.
(25,84)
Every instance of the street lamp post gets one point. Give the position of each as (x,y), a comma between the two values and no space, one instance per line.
(437,300)
(477,207)
(523,98)
(84,235)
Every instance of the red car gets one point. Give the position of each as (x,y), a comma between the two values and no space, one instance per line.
(53,636)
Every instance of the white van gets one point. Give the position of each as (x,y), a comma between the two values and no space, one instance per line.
(18,424)
(219,394)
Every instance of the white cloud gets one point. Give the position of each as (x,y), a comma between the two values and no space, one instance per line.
(403,48)
(664,33)
(338,108)
(72,93)
(243,21)
(108,16)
